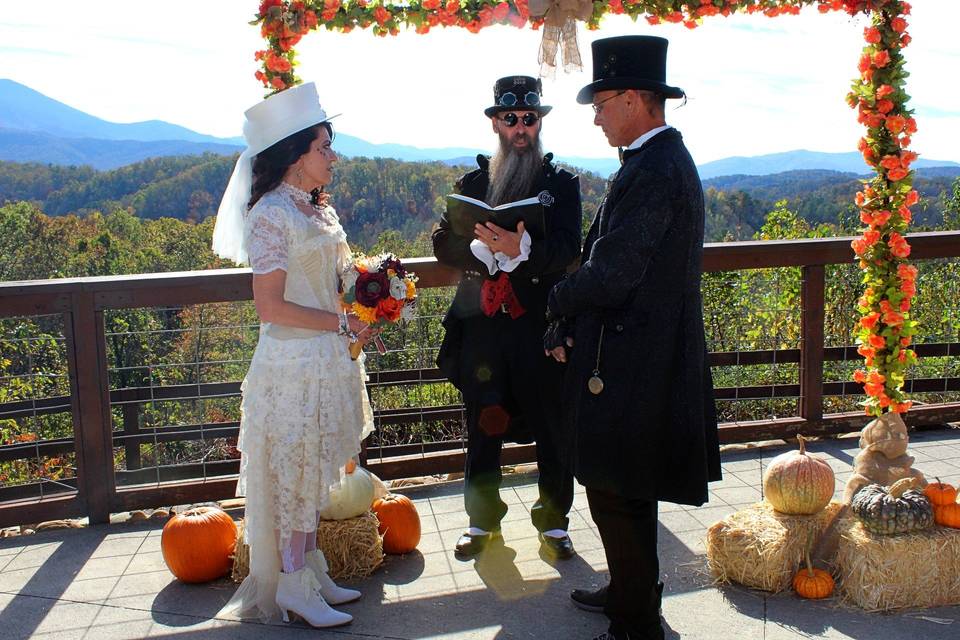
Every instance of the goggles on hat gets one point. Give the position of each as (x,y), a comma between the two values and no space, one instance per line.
(510,119)
(509,99)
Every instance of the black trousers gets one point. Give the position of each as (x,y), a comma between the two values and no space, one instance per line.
(628,530)
(511,391)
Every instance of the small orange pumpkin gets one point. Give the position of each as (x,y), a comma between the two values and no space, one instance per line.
(399,523)
(198,544)
(947,515)
(940,493)
(813,584)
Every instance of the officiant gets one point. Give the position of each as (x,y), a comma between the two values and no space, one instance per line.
(492,348)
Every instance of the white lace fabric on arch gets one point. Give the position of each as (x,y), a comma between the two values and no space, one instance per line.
(304,410)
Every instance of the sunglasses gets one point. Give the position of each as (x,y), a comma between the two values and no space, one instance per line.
(528,119)
(510,99)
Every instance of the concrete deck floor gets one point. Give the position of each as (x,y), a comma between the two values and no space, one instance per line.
(109,582)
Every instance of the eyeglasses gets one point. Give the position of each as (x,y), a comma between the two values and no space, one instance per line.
(510,99)
(598,106)
(528,119)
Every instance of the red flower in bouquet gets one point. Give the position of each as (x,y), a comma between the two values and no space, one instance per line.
(372,288)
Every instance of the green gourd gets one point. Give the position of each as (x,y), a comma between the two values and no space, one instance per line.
(899,508)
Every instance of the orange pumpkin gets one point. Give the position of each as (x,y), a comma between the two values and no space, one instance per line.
(198,544)
(947,515)
(813,584)
(940,493)
(399,523)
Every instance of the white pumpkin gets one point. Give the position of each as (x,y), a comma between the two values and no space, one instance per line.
(352,498)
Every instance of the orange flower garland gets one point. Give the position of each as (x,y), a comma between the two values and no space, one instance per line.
(885,330)
(284,22)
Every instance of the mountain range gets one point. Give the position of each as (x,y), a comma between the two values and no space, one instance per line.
(36,128)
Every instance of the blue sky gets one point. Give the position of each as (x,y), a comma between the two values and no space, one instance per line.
(757,85)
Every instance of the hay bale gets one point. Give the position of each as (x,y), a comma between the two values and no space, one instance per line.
(880,573)
(760,548)
(353,548)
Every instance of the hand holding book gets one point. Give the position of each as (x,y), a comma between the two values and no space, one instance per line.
(499,239)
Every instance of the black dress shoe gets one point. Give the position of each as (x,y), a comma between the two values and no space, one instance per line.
(560,548)
(470,545)
(590,600)
(596,600)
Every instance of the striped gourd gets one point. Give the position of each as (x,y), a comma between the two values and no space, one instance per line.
(796,483)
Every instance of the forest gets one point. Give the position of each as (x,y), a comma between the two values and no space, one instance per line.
(372,195)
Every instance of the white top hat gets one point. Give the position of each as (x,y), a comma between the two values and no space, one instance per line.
(282,115)
(267,123)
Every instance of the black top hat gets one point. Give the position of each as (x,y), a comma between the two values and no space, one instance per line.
(629,62)
(517,93)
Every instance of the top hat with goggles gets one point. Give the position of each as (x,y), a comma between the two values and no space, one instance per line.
(517,93)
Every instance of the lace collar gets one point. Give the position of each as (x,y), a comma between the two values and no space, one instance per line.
(299,196)
(319,211)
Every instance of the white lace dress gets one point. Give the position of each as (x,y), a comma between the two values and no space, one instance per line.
(304,411)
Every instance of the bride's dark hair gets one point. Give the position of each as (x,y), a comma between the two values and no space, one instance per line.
(270,165)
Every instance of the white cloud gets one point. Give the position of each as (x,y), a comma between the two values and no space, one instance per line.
(757,85)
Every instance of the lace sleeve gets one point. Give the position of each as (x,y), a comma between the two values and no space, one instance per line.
(267,240)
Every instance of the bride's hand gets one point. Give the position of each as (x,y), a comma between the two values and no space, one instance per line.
(368,334)
(356,324)
(365,333)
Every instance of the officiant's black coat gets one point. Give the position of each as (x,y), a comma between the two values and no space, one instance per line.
(652,432)
(531,280)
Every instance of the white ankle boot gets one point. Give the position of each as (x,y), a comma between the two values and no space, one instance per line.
(330,591)
(299,592)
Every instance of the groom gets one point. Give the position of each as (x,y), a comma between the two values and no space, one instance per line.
(640,424)
(492,349)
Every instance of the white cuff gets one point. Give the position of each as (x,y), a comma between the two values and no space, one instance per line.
(483,254)
(507,263)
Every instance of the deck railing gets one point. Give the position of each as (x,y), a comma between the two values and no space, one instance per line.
(101,467)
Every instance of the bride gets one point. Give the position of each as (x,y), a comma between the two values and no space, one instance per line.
(304,410)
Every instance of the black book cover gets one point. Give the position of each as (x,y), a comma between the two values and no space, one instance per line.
(464,212)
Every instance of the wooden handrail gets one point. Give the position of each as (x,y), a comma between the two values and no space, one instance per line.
(38,297)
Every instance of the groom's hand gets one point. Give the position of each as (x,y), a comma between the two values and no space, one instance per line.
(499,239)
(560,353)
(557,339)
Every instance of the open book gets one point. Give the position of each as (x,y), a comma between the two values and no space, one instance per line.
(464,212)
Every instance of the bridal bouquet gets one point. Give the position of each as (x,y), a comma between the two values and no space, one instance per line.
(378,290)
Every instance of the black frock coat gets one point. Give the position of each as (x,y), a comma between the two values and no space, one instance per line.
(531,281)
(652,432)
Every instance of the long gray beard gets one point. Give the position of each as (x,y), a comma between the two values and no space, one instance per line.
(513,174)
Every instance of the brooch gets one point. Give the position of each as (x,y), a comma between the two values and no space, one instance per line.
(545,198)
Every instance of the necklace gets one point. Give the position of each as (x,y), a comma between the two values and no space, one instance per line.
(300,196)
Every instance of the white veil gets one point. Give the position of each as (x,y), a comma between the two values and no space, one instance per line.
(228,232)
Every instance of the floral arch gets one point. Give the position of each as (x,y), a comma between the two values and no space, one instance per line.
(885,329)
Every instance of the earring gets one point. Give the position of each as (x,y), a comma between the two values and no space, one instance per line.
(300,176)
